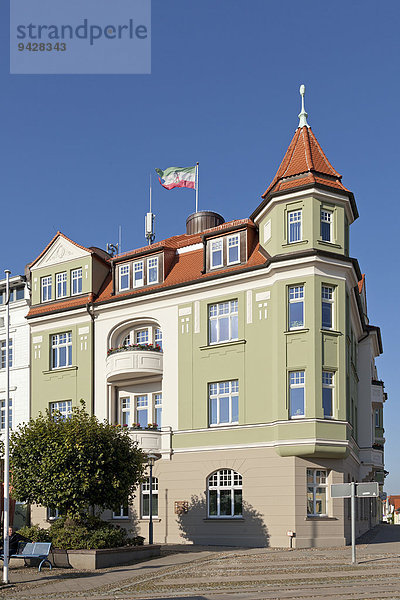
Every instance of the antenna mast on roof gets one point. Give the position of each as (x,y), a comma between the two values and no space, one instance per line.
(149,223)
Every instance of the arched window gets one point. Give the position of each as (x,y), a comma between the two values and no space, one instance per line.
(224,489)
(145,498)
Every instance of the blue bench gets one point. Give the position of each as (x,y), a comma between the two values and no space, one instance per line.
(31,550)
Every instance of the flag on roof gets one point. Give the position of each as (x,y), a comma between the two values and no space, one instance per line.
(177,177)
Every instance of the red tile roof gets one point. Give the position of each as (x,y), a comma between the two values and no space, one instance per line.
(395,501)
(361,283)
(304,163)
(186,268)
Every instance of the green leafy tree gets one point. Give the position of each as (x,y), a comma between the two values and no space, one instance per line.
(75,463)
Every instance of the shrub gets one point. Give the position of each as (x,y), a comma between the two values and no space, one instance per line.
(83,533)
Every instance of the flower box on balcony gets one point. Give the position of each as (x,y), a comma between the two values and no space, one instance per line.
(135,347)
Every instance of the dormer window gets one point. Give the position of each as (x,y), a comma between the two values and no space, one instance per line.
(76,282)
(216,254)
(233,249)
(61,285)
(46,288)
(138,275)
(124,279)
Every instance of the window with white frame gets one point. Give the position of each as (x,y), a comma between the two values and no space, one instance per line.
(125,411)
(61,285)
(326,225)
(158,337)
(327,393)
(3,414)
(223,322)
(145,498)
(217,257)
(3,354)
(296,307)
(122,513)
(152,270)
(46,288)
(294,226)
(142,410)
(142,336)
(327,307)
(223,400)
(62,408)
(224,490)
(233,249)
(317,483)
(76,282)
(61,350)
(124,277)
(158,409)
(138,274)
(296,394)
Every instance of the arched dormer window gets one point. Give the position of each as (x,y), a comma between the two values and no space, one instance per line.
(224,491)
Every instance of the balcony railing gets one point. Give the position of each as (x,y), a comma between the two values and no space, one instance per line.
(135,348)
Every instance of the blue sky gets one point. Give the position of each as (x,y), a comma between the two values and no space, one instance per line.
(76,151)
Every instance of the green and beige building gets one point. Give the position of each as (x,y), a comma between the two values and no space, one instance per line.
(239,352)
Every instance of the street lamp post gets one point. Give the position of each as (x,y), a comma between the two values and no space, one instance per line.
(151,459)
(6,514)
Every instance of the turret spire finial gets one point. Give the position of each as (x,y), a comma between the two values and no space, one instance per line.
(303,115)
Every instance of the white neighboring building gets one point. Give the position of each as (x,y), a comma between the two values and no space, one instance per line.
(19,352)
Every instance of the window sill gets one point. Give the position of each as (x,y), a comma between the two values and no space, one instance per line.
(230,519)
(299,243)
(223,344)
(60,370)
(147,520)
(331,331)
(300,330)
(329,244)
(316,518)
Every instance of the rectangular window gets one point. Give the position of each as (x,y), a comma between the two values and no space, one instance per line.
(296,394)
(223,322)
(158,409)
(52,514)
(294,226)
(142,413)
(158,337)
(376,417)
(326,225)
(223,402)
(125,412)
(124,277)
(142,336)
(233,249)
(20,293)
(296,307)
(138,274)
(152,270)
(327,307)
(327,393)
(61,285)
(316,492)
(122,513)
(3,353)
(76,282)
(216,254)
(64,408)
(46,288)
(61,350)
(3,414)
(145,500)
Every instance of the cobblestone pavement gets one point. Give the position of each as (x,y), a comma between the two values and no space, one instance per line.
(215,573)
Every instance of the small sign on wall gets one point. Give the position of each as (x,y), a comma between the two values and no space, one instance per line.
(181,507)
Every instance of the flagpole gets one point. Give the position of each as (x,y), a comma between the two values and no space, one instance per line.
(6,506)
(197,187)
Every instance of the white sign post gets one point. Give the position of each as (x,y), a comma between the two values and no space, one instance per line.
(351,490)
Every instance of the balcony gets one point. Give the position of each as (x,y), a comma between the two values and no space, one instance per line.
(153,440)
(130,362)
